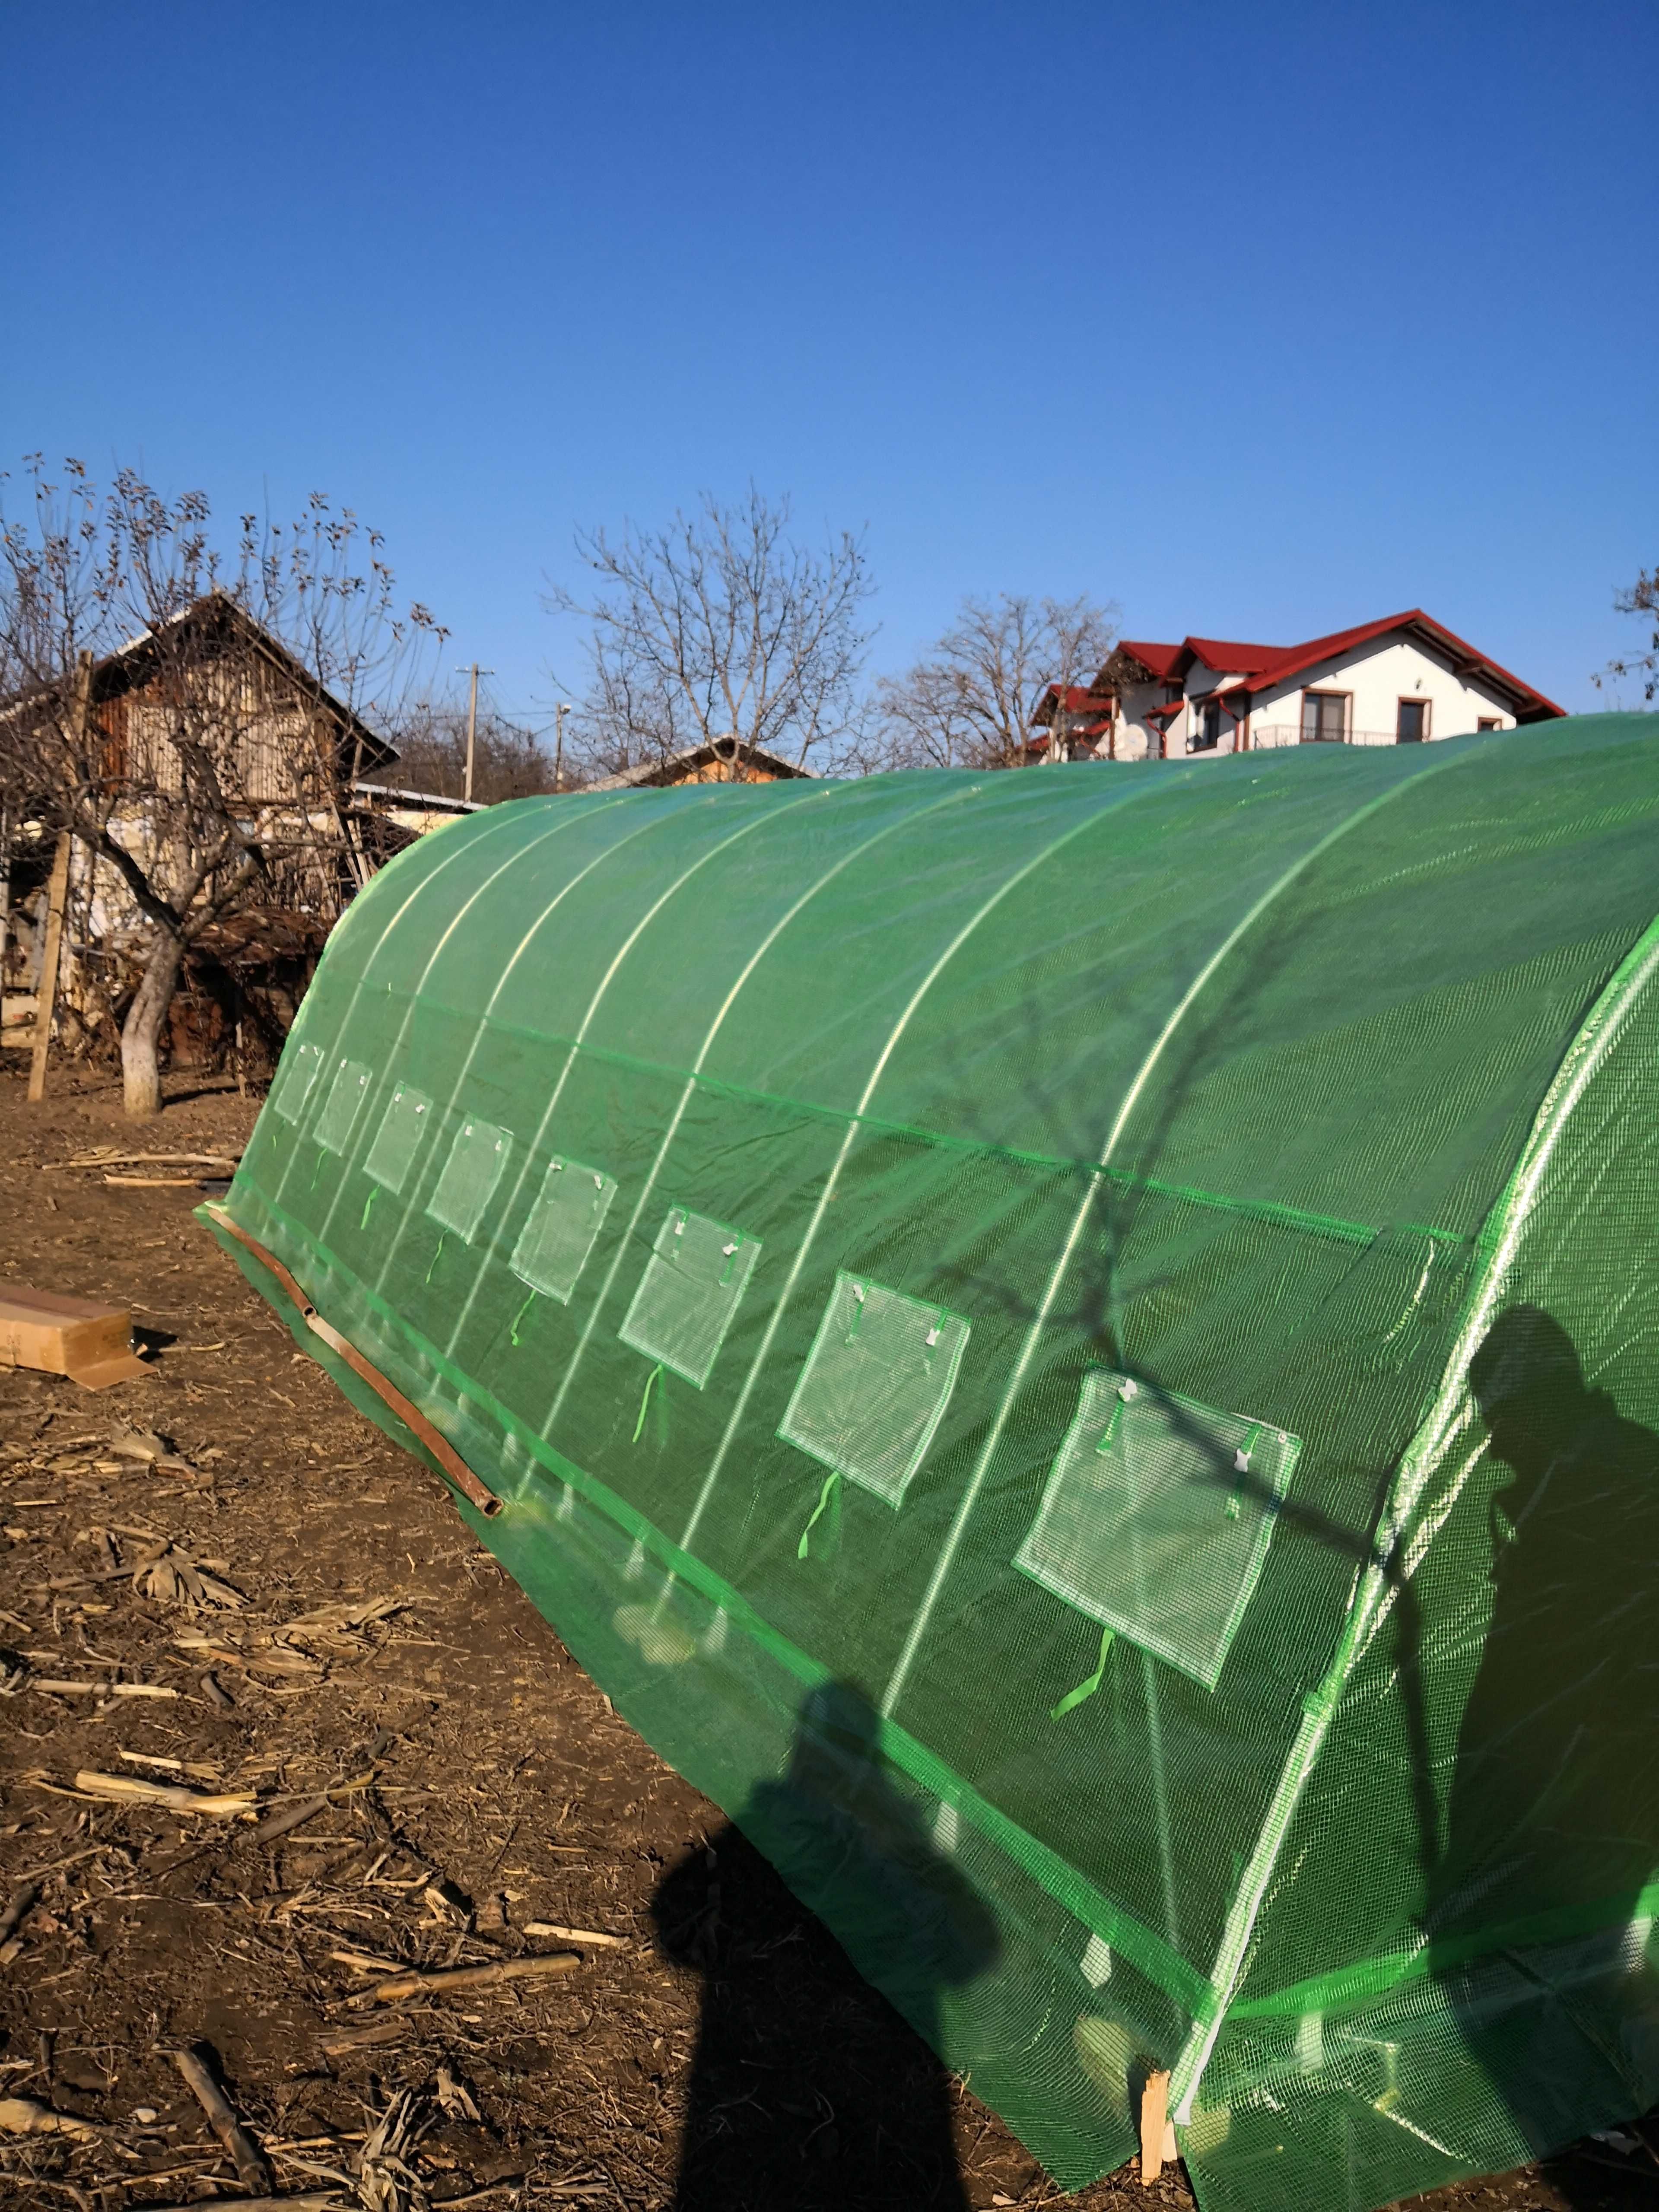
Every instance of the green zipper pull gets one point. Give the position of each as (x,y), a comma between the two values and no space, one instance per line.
(439,1254)
(831,1486)
(512,1334)
(645,1400)
(367,1203)
(1074,1698)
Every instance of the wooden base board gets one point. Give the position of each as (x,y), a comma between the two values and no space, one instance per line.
(91,1344)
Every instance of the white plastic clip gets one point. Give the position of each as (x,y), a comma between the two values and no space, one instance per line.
(1128,1388)
(932,1334)
(726,1251)
(1241,1462)
(599,1180)
(679,1226)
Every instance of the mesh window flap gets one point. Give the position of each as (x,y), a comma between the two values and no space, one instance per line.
(1157,1518)
(346,1095)
(397,1138)
(689,1293)
(302,1065)
(562,1227)
(475,1162)
(876,1384)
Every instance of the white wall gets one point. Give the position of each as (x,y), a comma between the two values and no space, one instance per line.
(1137,739)
(1378,677)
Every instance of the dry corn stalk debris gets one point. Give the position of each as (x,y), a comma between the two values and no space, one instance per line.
(130,1789)
(173,1577)
(423,1981)
(21,2116)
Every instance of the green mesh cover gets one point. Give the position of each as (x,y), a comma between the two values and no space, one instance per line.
(1080,1350)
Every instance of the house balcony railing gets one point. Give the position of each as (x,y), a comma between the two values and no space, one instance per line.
(1290,733)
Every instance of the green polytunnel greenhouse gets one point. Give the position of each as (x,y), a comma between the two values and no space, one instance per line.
(1080,1350)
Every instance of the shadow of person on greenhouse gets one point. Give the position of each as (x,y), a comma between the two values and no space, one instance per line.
(807,2088)
(1553,1821)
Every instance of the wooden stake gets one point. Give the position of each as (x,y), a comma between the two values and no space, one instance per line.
(1154,2121)
(46,1004)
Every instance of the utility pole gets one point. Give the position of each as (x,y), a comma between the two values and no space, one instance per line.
(472,724)
(559,714)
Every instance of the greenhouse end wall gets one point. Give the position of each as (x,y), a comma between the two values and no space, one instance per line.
(976,1296)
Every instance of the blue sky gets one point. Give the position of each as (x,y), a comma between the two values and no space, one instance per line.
(1259,320)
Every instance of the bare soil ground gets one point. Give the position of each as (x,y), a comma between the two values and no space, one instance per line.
(323,1627)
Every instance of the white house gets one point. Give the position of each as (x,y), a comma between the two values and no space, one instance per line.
(1403,680)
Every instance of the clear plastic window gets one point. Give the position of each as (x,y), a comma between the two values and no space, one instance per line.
(301,1064)
(346,1096)
(1157,1518)
(477,1160)
(876,1384)
(397,1140)
(562,1228)
(689,1293)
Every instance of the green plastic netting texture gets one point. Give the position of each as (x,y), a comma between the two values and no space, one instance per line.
(1080,1350)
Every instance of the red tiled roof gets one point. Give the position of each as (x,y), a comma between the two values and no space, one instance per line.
(1262,667)
(1093,709)
(1158,660)
(1231,660)
(1271,665)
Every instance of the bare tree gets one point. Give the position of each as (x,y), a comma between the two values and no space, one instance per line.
(430,736)
(971,702)
(1642,599)
(720,625)
(181,716)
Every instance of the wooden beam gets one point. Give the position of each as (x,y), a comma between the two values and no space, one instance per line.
(46,1001)
(1154,2125)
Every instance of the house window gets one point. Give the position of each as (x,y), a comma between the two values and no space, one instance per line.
(1412,726)
(1207,735)
(1489,722)
(1324,717)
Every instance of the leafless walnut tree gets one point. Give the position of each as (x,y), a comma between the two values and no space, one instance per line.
(970,703)
(191,721)
(722,624)
(1641,600)
(509,761)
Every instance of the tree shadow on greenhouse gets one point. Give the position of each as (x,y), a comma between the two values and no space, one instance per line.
(807,2089)
(1553,1821)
